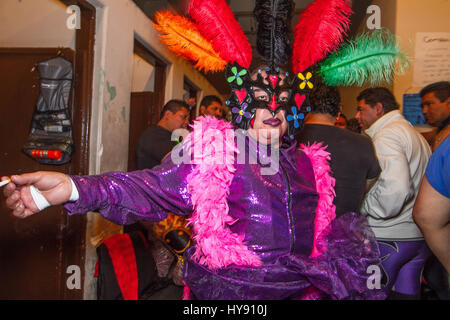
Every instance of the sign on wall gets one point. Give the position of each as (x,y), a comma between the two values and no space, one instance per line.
(432,58)
(412,109)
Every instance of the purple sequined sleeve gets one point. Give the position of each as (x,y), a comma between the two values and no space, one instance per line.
(127,197)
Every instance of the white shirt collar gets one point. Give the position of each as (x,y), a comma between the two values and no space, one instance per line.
(381,122)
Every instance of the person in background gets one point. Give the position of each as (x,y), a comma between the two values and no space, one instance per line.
(341,121)
(432,208)
(435,100)
(403,154)
(153,146)
(156,142)
(353,160)
(192,103)
(353,125)
(211,106)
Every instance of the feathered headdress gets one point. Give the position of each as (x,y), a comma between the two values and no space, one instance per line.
(273,32)
(212,38)
(183,37)
(320,30)
(370,58)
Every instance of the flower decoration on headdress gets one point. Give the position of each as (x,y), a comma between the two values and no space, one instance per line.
(295,117)
(305,80)
(237,75)
(241,112)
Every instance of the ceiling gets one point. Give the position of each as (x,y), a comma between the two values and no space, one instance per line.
(243,11)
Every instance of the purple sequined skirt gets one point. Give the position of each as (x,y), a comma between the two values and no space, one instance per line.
(346,270)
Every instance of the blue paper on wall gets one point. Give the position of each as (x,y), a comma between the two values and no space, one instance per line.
(412,109)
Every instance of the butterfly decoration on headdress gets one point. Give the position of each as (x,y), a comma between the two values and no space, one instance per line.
(213,40)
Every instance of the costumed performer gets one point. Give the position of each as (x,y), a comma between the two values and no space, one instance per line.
(261,209)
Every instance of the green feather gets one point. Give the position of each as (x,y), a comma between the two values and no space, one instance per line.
(372,58)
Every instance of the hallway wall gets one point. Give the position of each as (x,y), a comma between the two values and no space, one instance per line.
(34,23)
(119,22)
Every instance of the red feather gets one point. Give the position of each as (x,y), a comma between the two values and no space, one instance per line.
(319,31)
(216,22)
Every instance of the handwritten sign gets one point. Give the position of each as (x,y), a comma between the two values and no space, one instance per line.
(432,58)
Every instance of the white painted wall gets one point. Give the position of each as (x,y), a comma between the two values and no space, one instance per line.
(118,23)
(34,23)
(415,16)
(122,22)
(143,75)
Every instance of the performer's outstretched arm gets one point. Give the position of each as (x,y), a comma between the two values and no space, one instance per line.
(123,197)
(56,187)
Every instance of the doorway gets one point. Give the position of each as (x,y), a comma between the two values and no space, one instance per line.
(147,96)
(38,255)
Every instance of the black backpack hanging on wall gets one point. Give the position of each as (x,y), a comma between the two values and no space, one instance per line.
(51,139)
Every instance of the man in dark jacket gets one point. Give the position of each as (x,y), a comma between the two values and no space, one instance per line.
(353,160)
(156,142)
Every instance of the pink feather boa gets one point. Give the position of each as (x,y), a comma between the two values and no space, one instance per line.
(216,245)
(326,210)
(208,184)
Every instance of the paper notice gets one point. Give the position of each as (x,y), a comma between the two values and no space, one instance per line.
(432,58)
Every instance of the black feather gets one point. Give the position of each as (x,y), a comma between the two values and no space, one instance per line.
(273,18)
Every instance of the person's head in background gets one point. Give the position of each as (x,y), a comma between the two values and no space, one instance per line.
(174,115)
(325,105)
(211,106)
(373,103)
(192,102)
(353,125)
(435,100)
(341,121)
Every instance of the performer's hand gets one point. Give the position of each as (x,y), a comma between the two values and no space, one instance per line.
(56,187)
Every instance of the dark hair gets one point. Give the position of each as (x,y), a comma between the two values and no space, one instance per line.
(173,106)
(382,95)
(353,125)
(325,99)
(207,100)
(441,90)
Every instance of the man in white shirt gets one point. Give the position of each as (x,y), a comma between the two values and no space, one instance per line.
(403,155)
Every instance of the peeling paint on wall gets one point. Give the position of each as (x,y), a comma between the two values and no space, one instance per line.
(124,115)
(112,92)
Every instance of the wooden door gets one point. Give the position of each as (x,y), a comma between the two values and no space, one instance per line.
(42,257)
(142,115)
(31,250)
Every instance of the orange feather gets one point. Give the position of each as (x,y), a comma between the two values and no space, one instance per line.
(183,38)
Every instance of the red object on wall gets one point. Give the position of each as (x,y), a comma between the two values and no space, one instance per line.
(46,154)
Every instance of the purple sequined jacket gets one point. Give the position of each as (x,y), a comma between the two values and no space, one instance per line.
(274,215)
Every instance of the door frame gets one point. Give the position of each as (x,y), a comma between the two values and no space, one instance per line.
(160,75)
(82,112)
(73,236)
